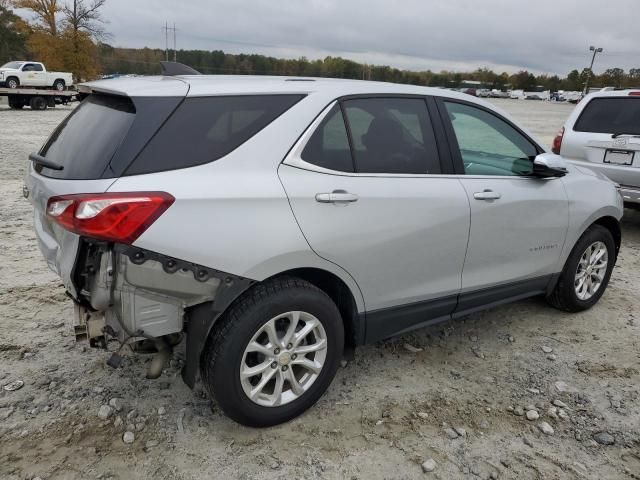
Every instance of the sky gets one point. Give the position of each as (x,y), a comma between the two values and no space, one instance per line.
(545,36)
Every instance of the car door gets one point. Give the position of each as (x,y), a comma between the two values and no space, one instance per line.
(518,221)
(29,75)
(366,188)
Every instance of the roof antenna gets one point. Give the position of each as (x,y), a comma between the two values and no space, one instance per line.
(176,68)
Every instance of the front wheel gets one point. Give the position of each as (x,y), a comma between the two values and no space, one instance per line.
(587,271)
(12,83)
(274,353)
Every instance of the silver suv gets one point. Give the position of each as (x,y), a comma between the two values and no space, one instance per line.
(277,223)
(603,133)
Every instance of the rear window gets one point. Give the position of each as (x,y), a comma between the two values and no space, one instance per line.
(205,129)
(87,139)
(610,115)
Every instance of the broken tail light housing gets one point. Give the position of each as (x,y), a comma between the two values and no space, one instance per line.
(557,142)
(115,217)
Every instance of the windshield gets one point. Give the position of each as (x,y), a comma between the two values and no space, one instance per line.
(15,65)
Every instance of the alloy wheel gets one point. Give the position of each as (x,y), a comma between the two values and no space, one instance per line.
(592,268)
(283,359)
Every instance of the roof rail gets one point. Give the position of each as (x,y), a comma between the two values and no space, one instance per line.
(175,68)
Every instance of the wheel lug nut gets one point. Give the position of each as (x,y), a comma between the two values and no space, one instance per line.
(289,346)
(276,351)
(284,368)
(274,365)
(294,356)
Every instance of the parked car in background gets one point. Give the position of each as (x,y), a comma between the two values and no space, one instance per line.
(33,74)
(603,134)
(495,93)
(483,93)
(279,222)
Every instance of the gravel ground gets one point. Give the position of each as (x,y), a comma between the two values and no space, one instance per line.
(520,391)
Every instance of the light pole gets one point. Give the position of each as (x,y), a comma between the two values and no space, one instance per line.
(593,58)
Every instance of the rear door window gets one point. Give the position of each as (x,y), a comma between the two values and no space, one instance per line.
(87,139)
(392,135)
(328,147)
(204,129)
(610,115)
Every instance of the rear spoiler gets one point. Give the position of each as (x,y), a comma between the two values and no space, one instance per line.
(143,84)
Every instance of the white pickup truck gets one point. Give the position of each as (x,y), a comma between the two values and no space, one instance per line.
(33,74)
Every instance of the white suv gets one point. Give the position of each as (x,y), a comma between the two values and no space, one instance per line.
(603,134)
(277,223)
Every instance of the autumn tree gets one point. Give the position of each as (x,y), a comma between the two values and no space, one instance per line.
(13,33)
(65,34)
(45,12)
(83,26)
(84,16)
(613,77)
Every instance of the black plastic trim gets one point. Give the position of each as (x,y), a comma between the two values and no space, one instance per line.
(389,322)
(201,319)
(477,300)
(444,151)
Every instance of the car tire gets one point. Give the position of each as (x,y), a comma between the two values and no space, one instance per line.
(12,82)
(59,85)
(38,103)
(569,293)
(229,352)
(15,104)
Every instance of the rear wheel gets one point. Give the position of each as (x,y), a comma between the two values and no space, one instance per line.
(274,353)
(587,271)
(59,85)
(38,103)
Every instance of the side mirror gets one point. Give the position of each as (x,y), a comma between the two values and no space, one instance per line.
(548,165)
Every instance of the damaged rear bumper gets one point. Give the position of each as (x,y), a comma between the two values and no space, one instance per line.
(132,293)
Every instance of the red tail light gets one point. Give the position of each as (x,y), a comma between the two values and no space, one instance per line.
(557,142)
(116,217)
(634,94)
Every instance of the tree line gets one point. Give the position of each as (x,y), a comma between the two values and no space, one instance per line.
(145,61)
(63,34)
(69,35)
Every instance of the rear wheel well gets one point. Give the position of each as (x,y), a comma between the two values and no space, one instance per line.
(341,295)
(613,225)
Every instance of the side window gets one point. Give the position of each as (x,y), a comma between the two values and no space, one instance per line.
(328,147)
(392,135)
(205,129)
(37,67)
(489,145)
(28,67)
